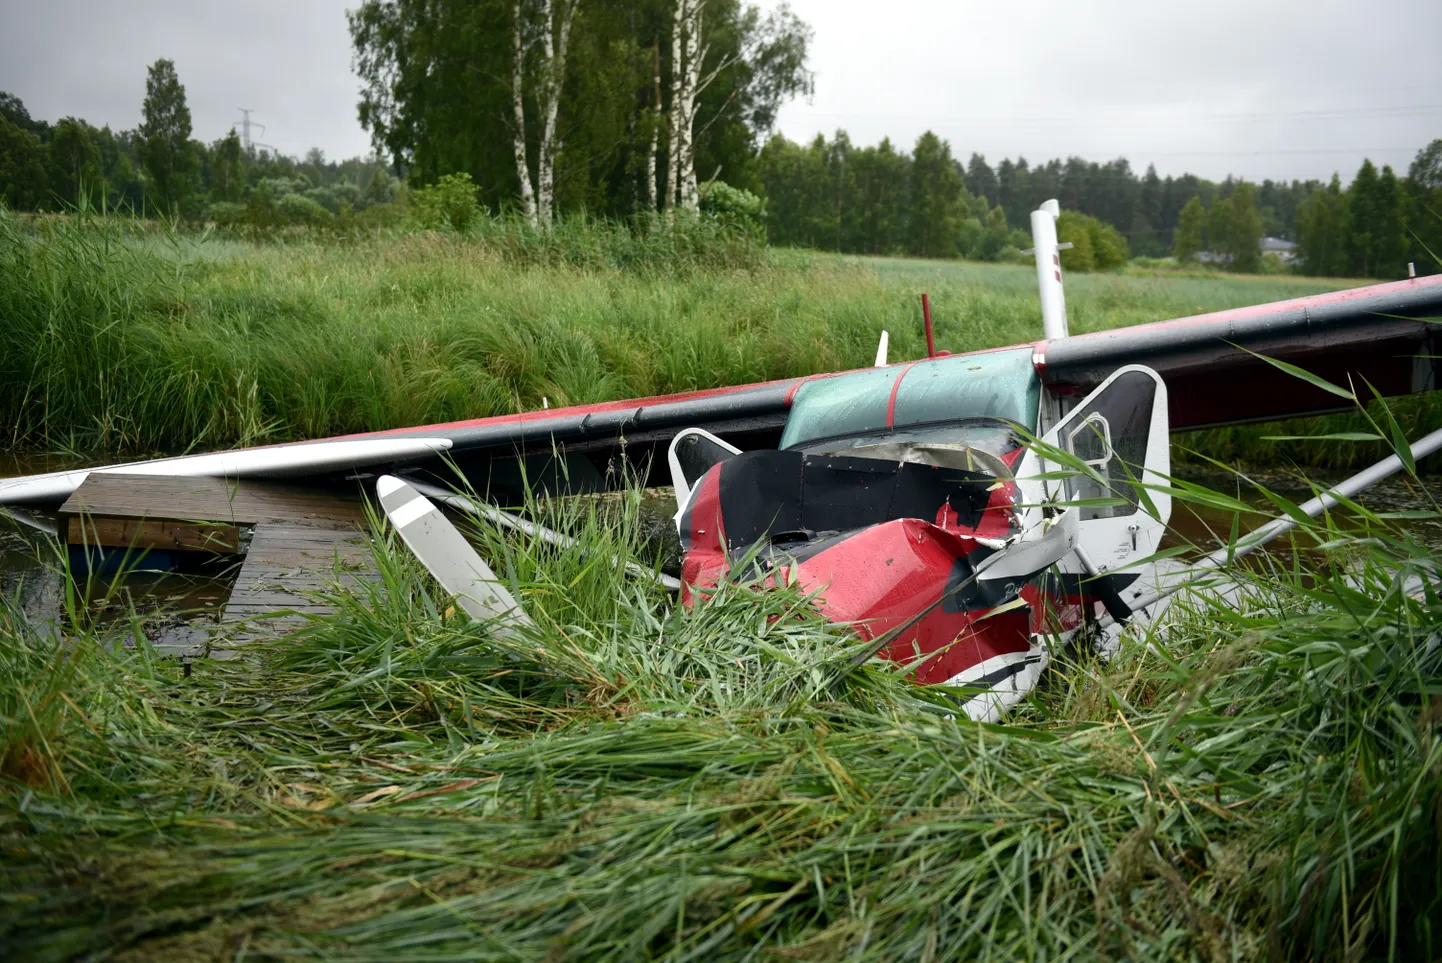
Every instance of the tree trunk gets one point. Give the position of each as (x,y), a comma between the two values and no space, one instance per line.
(518,89)
(553,74)
(650,190)
(688,197)
(678,74)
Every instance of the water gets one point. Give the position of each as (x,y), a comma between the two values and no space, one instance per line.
(177,606)
(1209,528)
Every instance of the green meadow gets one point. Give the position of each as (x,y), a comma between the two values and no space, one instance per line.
(120,339)
(1255,777)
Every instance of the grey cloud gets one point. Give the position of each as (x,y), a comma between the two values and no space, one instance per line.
(290,61)
(1277,89)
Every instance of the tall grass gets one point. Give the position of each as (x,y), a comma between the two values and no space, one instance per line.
(1309,443)
(123,339)
(633,781)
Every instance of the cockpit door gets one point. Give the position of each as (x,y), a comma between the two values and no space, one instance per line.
(1118,438)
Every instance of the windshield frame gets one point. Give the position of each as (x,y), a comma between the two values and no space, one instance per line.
(875,434)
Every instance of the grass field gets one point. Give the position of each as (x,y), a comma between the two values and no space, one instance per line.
(134,343)
(638,782)
(635,780)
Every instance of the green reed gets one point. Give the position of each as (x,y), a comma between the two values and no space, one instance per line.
(1255,777)
(123,339)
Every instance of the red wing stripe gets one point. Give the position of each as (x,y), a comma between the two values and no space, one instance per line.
(791,393)
(895,387)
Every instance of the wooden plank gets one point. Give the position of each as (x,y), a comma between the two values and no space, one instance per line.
(305,540)
(144,534)
(286,566)
(158,497)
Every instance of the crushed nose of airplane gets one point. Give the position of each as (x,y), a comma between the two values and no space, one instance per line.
(1037,549)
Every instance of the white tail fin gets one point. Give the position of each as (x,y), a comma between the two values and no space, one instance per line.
(1048,270)
(881,347)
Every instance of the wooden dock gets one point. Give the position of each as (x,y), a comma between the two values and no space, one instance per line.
(301,539)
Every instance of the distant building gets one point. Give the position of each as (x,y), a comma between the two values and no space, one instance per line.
(1285,250)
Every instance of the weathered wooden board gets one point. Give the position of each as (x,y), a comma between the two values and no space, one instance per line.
(145,534)
(286,565)
(212,500)
(304,540)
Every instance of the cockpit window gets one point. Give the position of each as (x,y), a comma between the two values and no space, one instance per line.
(990,435)
(999,385)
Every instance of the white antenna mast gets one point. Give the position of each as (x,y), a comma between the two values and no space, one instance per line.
(1048,270)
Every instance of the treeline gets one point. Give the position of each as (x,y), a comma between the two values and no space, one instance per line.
(879,200)
(1381,221)
(1378,223)
(1145,208)
(159,170)
(832,195)
(628,111)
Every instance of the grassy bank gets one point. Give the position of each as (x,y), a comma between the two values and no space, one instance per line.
(637,782)
(127,340)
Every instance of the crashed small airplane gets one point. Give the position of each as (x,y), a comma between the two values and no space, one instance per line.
(959,510)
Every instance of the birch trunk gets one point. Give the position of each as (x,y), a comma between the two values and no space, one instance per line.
(650,190)
(518,90)
(689,198)
(553,74)
(678,74)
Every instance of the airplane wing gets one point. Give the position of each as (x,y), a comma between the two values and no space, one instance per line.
(583,448)
(1380,333)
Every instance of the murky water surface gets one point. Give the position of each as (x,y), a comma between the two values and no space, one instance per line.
(177,604)
(51,585)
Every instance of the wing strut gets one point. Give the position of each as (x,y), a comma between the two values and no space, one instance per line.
(1249,543)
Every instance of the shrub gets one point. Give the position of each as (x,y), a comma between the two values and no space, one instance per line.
(299,209)
(448,204)
(1272,263)
(336,197)
(277,187)
(1096,245)
(1072,229)
(734,207)
(226,214)
(378,217)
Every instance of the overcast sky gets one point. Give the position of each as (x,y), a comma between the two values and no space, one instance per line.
(1278,89)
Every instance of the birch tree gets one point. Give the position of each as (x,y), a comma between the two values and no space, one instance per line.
(650,190)
(771,54)
(546,23)
(518,103)
(673,132)
(688,52)
(546,105)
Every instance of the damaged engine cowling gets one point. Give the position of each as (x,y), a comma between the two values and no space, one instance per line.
(887,537)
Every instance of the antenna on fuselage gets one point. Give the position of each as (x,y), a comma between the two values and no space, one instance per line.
(1048,269)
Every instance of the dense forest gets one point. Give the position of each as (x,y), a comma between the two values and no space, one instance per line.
(880,200)
(553,108)
(158,170)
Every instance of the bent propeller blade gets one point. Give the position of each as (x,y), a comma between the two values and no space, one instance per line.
(449,557)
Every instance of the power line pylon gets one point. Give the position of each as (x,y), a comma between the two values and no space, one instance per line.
(245,126)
